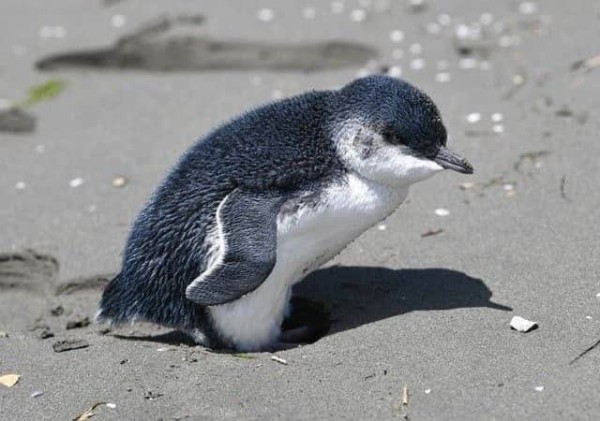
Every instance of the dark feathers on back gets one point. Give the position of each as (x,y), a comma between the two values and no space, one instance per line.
(281,147)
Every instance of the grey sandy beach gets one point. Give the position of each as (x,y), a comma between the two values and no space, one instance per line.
(420,304)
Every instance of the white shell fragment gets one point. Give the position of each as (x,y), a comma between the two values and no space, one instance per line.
(497,117)
(522,325)
(474,118)
(278,359)
(358,15)
(395,71)
(118,21)
(76,182)
(442,212)
(442,77)
(417,64)
(396,36)
(265,15)
(119,181)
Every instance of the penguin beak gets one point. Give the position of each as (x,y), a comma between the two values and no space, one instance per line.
(452,161)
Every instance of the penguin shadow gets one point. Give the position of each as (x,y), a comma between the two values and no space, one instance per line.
(363,295)
(357,296)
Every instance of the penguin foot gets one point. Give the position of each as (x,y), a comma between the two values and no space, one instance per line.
(308,322)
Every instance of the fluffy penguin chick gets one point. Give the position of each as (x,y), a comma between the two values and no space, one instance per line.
(260,202)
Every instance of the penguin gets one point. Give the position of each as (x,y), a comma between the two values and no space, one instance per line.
(253,207)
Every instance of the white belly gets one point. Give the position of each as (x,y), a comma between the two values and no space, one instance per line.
(305,240)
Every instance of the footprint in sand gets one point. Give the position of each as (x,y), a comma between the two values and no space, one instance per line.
(27,271)
(175,44)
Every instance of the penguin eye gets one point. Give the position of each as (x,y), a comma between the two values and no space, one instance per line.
(397,139)
(393,137)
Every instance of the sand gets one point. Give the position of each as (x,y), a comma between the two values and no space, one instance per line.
(422,301)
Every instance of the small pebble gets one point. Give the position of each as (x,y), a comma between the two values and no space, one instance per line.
(37,394)
(363,72)
(417,6)
(442,77)
(474,118)
(118,21)
(119,182)
(518,79)
(598,295)
(76,182)
(589,317)
(416,49)
(486,18)
(358,15)
(52,32)
(462,31)
(467,63)
(396,36)
(427,391)
(111,405)
(381,227)
(417,64)
(444,19)
(508,187)
(309,13)
(21,185)
(498,128)
(539,388)
(265,15)
(395,71)
(442,212)
(497,117)
(527,8)
(337,7)
(467,185)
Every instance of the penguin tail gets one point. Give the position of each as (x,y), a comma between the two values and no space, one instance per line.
(114,308)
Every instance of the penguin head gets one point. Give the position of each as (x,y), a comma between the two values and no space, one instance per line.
(390,132)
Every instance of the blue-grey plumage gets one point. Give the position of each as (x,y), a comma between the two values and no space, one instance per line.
(212,233)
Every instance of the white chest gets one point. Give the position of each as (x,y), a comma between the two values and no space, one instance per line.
(315,234)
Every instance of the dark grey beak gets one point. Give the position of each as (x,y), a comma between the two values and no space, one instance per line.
(452,161)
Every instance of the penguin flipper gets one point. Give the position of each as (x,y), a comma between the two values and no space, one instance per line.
(247,231)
